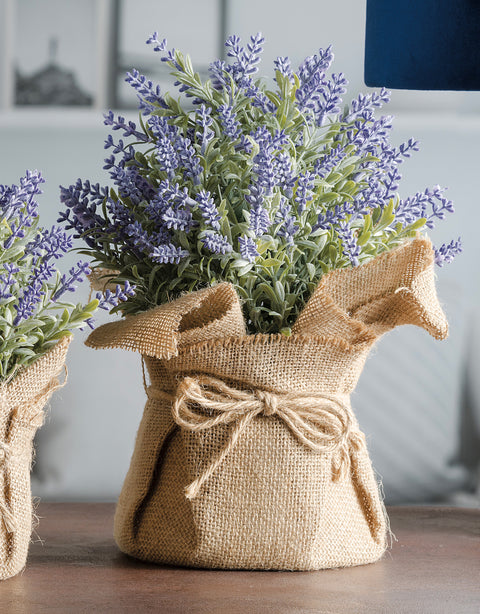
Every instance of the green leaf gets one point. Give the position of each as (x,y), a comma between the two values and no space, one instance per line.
(279,291)
(270,262)
(239,263)
(328,197)
(312,271)
(268,291)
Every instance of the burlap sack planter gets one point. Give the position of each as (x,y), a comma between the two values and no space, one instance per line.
(22,402)
(248,455)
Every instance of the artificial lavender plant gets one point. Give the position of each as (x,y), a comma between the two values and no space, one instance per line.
(34,310)
(267,188)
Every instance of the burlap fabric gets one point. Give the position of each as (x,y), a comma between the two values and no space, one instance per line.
(248,455)
(22,401)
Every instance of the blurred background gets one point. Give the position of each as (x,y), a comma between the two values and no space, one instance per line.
(62,64)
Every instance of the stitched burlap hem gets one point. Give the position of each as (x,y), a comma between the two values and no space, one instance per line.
(21,413)
(248,455)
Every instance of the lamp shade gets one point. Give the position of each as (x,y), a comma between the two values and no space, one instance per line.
(423,44)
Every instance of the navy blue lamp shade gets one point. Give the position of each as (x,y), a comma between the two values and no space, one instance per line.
(423,44)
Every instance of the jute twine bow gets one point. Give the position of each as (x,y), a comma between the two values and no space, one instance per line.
(8,455)
(320,421)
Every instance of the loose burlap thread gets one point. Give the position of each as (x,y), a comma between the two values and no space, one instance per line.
(22,402)
(248,455)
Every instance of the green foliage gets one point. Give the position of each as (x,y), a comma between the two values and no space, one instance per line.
(33,314)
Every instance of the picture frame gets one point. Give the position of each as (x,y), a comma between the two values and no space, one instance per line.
(55,53)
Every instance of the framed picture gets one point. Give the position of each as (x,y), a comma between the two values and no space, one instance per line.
(55,53)
(70,54)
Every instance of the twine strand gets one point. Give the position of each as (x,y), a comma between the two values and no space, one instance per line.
(320,421)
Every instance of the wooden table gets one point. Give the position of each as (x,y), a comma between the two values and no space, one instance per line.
(433,568)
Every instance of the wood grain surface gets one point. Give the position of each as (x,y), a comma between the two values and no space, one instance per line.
(75,566)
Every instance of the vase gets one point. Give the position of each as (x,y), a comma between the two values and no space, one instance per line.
(249,455)
(22,402)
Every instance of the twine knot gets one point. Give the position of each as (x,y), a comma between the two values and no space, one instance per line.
(269,402)
(321,422)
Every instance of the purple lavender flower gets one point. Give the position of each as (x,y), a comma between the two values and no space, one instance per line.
(255,49)
(331,218)
(312,78)
(139,240)
(207,208)
(439,210)
(367,135)
(332,97)
(131,184)
(121,218)
(171,59)
(160,128)
(166,156)
(129,128)
(168,254)
(288,229)
(305,185)
(117,147)
(406,148)
(76,275)
(264,168)
(259,221)
(167,195)
(324,166)
(110,299)
(245,61)
(34,292)
(51,243)
(146,91)
(366,103)
(415,207)
(216,243)
(256,196)
(283,65)
(8,280)
(157,44)
(349,243)
(257,97)
(248,248)
(204,121)
(284,174)
(447,252)
(218,72)
(188,159)
(179,219)
(228,119)
(17,231)
(16,200)
(27,303)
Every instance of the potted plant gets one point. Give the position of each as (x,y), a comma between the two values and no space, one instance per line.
(270,249)
(36,323)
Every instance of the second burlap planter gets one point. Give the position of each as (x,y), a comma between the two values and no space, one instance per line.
(22,402)
(248,455)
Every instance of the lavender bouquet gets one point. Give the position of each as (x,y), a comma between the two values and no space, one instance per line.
(34,313)
(267,188)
